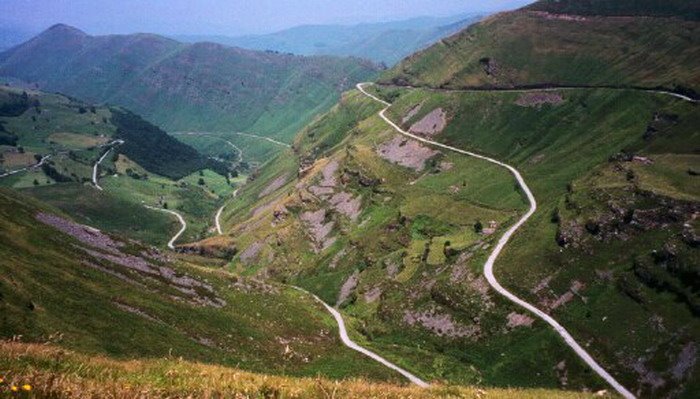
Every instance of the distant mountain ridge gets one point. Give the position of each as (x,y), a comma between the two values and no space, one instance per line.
(386,42)
(201,86)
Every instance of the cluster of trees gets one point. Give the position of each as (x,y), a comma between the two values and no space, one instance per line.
(51,172)
(15,104)
(156,151)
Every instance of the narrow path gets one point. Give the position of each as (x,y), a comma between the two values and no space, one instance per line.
(217,217)
(99,161)
(264,138)
(235,147)
(352,345)
(488,266)
(546,88)
(36,165)
(171,243)
(255,136)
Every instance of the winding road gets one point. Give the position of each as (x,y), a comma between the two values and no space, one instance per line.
(111,146)
(264,138)
(171,243)
(36,165)
(217,217)
(547,88)
(352,345)
(488,266)
(239,152)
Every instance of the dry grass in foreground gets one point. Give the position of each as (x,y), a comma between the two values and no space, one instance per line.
(56,373)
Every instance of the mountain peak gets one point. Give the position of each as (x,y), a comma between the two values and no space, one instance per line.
(64,29)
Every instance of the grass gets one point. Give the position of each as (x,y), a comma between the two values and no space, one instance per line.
(522,48)
(397,223)
(256,151)
(44,293)
(569,145)
(55,372)
(76,141)
(407,217)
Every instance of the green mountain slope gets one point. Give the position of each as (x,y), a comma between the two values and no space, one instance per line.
(149,167)
(202,86)
(78,288)
(530,48)
(397,233)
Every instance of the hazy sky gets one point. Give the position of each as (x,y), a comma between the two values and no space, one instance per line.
(228,17)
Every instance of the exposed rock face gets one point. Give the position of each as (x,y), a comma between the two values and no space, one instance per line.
(328,182)
(441,324)
(685,362)
(251,253)
(318,228)
(348,287)
(519,320)
(411,113)
(109,256)
(431,124)
(549,303)
(405,152)
(275,185)
(347,205)
(538,99)
(373,295)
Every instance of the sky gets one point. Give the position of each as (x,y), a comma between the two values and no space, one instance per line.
(223,17)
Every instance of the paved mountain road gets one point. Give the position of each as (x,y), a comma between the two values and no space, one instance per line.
(488,266)
(99,161)
(36,165)
(547,88)
(264,138)
(352,345)
(217,217)
(171,243)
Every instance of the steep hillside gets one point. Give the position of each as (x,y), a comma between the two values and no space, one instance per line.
(53,268)
(540,46)
(384,42)
(396,232)
(201,86)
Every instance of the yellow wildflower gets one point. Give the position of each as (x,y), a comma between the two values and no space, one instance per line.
(2,380)
(14,388)
(27,387)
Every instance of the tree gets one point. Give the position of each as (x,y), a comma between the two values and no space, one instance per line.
(200,181)
(165,205)
(478,227)
(20,150)
(36,182)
